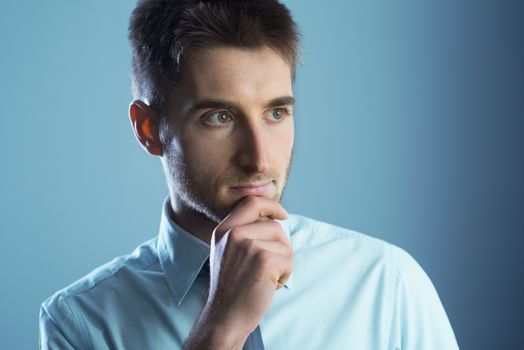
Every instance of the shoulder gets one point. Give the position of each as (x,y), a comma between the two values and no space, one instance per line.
(109,277)
(306,232)
(353,246)
(67,317)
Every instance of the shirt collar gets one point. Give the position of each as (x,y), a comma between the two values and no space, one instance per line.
(182,255)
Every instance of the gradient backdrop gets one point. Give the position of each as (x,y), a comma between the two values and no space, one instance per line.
(409,128)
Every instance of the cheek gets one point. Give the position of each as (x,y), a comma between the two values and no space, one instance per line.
(207,157)
(284,141)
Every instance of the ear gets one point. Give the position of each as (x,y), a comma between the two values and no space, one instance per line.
(145,124)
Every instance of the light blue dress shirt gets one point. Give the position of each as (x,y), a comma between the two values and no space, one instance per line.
(347,291)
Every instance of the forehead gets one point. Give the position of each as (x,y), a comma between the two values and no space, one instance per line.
(239,75)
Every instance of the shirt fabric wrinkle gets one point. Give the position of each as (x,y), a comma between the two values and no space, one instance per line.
(347,290)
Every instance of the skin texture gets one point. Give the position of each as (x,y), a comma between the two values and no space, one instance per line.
(200,161)
(230,123)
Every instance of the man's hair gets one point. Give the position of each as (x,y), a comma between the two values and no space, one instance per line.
(160,31)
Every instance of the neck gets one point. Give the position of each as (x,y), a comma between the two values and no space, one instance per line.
(190,220)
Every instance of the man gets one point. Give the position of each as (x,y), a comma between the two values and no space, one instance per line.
(214,100)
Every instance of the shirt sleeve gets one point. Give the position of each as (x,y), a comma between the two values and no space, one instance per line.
(419,319)
(56,323)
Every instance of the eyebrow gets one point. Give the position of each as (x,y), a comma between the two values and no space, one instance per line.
(222,104)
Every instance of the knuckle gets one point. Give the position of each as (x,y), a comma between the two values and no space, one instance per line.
(235,234)
(248,245)
(263,259)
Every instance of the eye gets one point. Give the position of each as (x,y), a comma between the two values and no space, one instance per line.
(218,118)
(279,113)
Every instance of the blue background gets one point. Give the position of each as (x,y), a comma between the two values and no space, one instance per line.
(409,128)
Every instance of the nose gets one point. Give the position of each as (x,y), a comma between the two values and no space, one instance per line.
(253,152)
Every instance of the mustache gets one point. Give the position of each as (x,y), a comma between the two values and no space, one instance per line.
(235,180)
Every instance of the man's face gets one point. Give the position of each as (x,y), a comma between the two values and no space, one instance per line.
(230,126)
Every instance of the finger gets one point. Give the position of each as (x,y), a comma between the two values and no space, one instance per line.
(267,230)
(248,211)
(274,247)
(286,268)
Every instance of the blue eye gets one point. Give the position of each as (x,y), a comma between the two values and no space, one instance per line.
(218,118)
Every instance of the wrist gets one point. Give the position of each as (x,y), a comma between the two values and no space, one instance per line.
(219,332)
(227,337)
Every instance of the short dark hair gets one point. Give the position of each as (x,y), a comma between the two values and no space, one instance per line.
(160,31)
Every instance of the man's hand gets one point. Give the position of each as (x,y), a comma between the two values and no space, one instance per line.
(251,258)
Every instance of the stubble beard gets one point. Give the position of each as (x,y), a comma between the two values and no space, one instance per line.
(197,194)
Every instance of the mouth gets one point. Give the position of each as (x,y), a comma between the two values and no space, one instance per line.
(253,189)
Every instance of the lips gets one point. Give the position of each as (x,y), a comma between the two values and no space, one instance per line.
(253,189)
